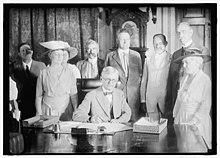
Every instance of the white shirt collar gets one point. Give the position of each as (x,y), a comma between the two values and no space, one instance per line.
(92,61)
(187,44)
(29,64)
(105,90)
(123,51)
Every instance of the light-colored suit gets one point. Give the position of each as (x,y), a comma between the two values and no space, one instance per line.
(129,85)
(96,103)
(154,82)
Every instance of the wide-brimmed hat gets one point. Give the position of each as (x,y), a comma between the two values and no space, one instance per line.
(54,45)
(194,52)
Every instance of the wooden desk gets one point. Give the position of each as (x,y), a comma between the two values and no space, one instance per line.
(174,139)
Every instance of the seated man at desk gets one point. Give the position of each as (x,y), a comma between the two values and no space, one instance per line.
(106,103)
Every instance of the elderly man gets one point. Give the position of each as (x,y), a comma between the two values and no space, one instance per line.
(26,72)
(185,33)
(128,64)
(92,66)
(106,103)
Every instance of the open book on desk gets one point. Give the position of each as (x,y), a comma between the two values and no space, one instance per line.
(92,128)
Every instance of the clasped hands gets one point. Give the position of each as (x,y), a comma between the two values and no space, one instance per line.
(98,119)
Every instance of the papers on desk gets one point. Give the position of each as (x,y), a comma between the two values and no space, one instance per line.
(110,128)
(143,125)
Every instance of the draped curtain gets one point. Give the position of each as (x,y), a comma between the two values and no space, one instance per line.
(34,25)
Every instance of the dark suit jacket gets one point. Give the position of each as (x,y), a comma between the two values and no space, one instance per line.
(95,103)
(129,85)
(173,79)
(82,67)
(27,87)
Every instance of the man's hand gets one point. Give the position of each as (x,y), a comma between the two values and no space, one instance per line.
(154,116)
(96,119)
(114,121)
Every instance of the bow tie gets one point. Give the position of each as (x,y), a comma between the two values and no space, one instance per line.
(107,93)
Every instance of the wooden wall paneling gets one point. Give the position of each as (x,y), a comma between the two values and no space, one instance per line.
(86,27)
(13,32)
(25,25)
(74,29)
(38,32)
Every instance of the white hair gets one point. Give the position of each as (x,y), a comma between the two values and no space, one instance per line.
(185,24)
(196,59)
(109,70)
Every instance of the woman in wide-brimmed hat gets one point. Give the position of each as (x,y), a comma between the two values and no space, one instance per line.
(193,101)
(69,55)
(56,85)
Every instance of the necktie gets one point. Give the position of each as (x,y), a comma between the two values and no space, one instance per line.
(27,70)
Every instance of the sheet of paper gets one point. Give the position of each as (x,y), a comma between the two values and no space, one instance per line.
(65,127)
(110,127)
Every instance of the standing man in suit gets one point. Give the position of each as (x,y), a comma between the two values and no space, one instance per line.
(106,103)
(92,66)
(128,63)
(26,71)
(176,70)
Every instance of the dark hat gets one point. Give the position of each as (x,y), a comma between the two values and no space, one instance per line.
(53,45)
(194,52)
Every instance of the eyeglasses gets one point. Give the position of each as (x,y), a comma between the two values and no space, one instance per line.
(110,80)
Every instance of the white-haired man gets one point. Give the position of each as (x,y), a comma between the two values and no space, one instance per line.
(106,103)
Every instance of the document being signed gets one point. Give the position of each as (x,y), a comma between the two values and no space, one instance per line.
(93,128)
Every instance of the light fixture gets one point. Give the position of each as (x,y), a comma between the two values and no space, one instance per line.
(153,11)
(154,14)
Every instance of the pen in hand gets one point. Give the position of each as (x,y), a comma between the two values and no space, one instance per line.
(97,119)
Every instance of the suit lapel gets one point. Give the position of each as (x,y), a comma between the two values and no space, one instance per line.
(131,61)
(103,101)
(115,102)
(84,66)
(33,66)
(116,57)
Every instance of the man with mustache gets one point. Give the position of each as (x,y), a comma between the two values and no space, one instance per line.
(92,66)
(26,71)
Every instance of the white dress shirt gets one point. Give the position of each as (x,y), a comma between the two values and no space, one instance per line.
(92,68)
(187,44)
(109,96)
(123,55)
(29,65)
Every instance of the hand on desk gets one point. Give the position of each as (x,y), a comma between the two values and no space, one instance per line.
(96,119)
(114,121)
(154,116)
